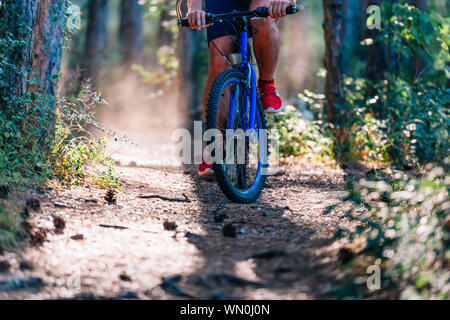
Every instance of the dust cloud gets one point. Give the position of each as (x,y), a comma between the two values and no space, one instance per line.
(147,115)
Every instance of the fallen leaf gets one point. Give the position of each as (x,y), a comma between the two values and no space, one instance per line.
(57,204)
(345,255)
(269,254)
(59,224)
(283,270)
(112,226)
(169,225)
(26,265)
(220,217)
(33,204)
(110,197)
(228,279)
(39,237)
(169,285)
(21,283)
(4,265)
(77,237)
(28,226)
(4,191)
(124,277)
(229,230)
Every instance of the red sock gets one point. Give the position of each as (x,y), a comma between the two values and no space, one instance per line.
(265,82)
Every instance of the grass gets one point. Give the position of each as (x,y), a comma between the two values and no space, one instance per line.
(10,227)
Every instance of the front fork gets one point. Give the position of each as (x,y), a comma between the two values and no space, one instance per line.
(250,86)
(251,79)
(252,97)
(250,90)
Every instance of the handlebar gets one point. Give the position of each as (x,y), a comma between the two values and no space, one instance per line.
(261,12)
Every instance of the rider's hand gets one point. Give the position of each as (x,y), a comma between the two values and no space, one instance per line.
(277,8)
(197,19)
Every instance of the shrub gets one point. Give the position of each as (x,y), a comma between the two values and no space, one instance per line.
(10,229)
(76,154)
(404,229)
(298,136)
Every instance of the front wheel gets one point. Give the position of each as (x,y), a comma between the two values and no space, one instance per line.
(240,165)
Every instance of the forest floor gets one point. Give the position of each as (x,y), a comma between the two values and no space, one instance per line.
(282,248)
(173,235)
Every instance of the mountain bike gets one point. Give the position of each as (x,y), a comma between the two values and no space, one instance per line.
(235,115)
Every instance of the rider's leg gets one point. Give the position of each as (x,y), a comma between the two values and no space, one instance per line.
(266,42)
(266,45)
(217,63)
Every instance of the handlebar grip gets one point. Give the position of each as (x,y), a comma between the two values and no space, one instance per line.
(183,23)
(289,10)
(292,9)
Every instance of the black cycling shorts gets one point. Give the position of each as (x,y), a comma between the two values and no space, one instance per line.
(224,6)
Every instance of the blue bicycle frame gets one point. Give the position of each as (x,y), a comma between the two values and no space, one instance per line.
(245,65)
(244,113)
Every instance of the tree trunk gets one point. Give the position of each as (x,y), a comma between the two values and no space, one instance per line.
(294,59)
(420,4)
(165,37)
(418,63)
(351,37)
(362,19)
(95,38)
(333,62)
(190,91)
(40,25)
(18,59)
(376,52)
(131,30)
(47,45)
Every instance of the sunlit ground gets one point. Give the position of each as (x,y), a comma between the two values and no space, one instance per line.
(148,116)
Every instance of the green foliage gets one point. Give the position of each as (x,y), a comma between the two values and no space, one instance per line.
(404,119)
(411,31)
(24,116)
(37,142)
(300,137)
(404,229)
(76,154)
(60,146)
(414,128)
(10,229)
(401,222)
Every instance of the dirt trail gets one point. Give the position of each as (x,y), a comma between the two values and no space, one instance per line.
(287,232)
(282,247)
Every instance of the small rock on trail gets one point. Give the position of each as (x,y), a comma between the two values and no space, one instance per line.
(77,237)
(26,265)
(33,204)
(4,265)
(59,223)
(345,255)
(229,230)
(169,225)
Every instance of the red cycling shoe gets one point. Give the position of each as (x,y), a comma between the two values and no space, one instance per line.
(270,98)
(205,169)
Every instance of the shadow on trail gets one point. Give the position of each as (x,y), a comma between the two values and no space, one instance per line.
(273,254)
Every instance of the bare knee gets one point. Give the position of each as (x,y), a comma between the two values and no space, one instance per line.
(264,28)
(217,64)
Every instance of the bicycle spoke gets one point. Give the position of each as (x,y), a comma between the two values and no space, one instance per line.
(233,113)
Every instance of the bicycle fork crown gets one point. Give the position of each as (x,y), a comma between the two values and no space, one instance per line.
(235,59)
